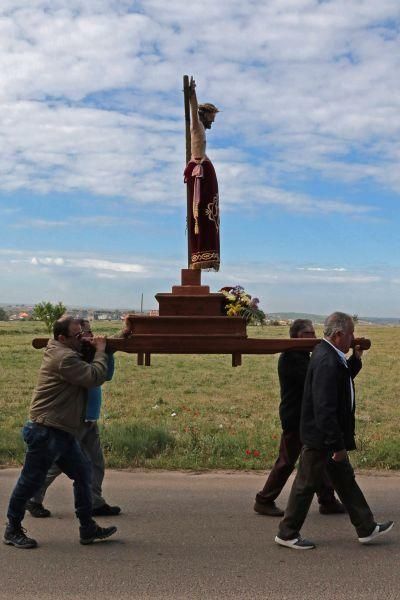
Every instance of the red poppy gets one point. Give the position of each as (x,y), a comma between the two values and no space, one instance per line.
(248,452)
(256,453)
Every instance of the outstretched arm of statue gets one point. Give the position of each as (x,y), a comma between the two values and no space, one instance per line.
(194,105)
(197,135)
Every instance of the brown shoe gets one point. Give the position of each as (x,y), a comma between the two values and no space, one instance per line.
(332,508)
(268,508)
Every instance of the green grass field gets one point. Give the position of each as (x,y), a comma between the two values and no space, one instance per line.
(197,412)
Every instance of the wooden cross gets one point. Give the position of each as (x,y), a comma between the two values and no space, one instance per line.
(186,94)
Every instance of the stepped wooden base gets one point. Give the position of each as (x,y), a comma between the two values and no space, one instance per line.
(190,290)
(190,277)
(189,306)
(189,311)
(193,325)
(192,321)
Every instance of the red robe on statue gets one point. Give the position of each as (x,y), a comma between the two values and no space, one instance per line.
(204,217)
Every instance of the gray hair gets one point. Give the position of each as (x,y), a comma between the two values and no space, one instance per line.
(337,321)
(298,326)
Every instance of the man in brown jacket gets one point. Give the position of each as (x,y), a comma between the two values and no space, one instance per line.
(56,413)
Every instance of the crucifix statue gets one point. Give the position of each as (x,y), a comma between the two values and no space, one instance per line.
(192,320)
(202,185)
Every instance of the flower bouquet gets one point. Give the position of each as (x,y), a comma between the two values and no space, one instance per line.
(238,303)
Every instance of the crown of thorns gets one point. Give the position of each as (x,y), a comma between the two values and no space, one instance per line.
(208,107)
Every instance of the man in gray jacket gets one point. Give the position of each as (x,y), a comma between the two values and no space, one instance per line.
(56,413)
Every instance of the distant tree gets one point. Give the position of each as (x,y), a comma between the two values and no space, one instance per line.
(355,319)
(3,315)
(48,313)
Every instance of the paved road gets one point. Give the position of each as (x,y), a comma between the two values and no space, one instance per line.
(191,536)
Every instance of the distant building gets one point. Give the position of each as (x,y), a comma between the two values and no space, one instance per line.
(102,316)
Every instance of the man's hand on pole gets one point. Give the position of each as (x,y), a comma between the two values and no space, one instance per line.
(99,342)
(340,455)
(357,352)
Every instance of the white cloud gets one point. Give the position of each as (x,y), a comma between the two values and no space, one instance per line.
(322,269)
(92,106)
(107,265)
(94,264)
(106,276)
(58,262)
(93,221)
(91,93)
(79,278)
(297,276)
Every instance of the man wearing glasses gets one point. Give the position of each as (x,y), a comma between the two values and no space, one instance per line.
(89,439)
(56,413)
(292,371)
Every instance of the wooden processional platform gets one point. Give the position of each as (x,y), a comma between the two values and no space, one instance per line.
(193,321)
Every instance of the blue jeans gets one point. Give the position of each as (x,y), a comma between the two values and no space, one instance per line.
(46,445)
(89,440)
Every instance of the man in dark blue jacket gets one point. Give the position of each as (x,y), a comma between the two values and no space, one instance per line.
(327,431)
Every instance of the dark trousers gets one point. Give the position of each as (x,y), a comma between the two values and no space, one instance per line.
(89,439)
(46,445)
(312,465)
(289,451)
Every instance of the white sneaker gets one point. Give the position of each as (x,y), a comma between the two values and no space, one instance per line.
(297,543)
(380,529)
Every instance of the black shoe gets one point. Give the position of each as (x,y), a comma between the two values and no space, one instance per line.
(332,508)
(105,510)
(37,510)
(268,508)
(15,536)
(89,534)
(380,529)
(296,544)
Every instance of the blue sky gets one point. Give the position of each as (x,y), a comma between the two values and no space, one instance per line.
(306,149)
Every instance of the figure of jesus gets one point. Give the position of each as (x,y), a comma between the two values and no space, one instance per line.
(203,220)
